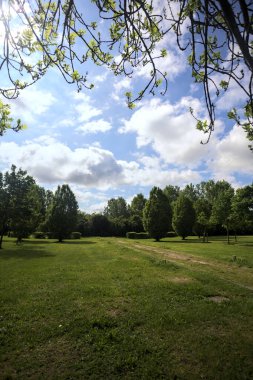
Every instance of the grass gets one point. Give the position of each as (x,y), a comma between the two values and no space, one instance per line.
(109,308)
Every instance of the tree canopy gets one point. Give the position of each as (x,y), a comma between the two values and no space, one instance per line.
(218,35)
(157,214)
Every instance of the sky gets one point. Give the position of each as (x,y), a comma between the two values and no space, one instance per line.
(103,150)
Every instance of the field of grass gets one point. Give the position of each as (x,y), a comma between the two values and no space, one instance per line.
(107,308)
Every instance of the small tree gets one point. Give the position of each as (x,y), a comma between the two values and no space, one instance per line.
(183,216)
(157,214)
(62,216)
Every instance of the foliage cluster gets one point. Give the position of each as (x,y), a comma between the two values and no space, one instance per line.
(40,34)
(207,207)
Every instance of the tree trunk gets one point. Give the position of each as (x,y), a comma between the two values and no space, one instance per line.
(1,239)
(228,234)
(204,235)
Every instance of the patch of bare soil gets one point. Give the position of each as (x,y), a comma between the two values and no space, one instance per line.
(181,280)
(176,256)
(218,299)
(169,254)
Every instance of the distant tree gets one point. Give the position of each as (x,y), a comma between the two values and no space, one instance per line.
(242,209)
(222,205)
(116,207)
(118,214)
(4,208)
(172,193)
(62,216)
(100,225)
(183,216)
(157,214)
(191,191)
(136,212)
(83,223)
(203,209)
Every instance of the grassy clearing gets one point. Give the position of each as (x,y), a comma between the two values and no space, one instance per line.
(102,308)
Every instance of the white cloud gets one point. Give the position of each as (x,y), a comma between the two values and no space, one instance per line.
(94,126)
(170,130)
(31,103)
(83,107)
(51,161)
(232,156)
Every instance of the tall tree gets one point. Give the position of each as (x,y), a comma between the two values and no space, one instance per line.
(21,203)
(118,214)
(242,209)
(218,35)
(172,193)
(222,205)
(136,212)
(62,216)
(203,209)
(100,225)
(183,216)
(157,214)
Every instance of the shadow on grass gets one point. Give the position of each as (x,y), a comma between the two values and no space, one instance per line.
(185,241)
(24,252)
(54,241)
(76,242)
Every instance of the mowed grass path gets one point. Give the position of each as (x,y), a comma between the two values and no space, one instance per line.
(119,309)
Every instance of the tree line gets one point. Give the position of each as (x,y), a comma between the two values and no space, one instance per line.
(208,207)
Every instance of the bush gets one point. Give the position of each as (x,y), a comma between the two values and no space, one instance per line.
(137,235)
(75,235)
(39,235)
(171,234)
(142,235)
(130,235)
(49,235)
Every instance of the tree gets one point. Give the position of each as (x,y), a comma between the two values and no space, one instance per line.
(117,213)
(20,203)
(203,209)
(100,225)
(4,208)
(157,214)
(218,36)
(221,209)
(183,216)
(62,216)
(191,192)
(242,209)
(136,212)
(172,193)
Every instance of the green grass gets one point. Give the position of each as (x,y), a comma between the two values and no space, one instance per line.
(108,308)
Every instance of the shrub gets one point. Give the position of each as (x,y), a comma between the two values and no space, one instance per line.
(137,235)
(171,234)
(130,235)
(142,235)
(75,235)
(49,235)
(39,235)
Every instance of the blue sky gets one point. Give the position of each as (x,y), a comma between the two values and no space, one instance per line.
(93,142)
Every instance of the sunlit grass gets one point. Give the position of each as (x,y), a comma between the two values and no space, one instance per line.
(98,309)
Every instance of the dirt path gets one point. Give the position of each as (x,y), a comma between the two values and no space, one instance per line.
(220,268)
(172,255)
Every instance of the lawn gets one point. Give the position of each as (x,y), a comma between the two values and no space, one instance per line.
(107,308)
